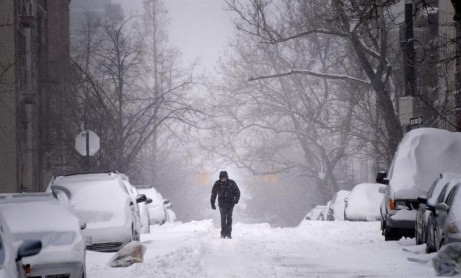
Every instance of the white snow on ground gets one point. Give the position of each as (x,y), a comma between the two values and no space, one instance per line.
(315,249)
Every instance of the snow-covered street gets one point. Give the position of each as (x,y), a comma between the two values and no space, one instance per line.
(315,249)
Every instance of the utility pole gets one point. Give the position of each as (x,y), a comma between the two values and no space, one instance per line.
(409,51)
(407,105)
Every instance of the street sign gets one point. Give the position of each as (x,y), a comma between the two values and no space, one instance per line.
(81,142)
(416,120)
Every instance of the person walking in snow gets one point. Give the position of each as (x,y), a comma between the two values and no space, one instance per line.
(228,195)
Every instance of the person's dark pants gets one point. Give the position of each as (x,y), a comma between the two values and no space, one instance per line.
(226,220)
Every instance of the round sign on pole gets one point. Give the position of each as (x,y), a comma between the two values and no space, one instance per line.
(81,141)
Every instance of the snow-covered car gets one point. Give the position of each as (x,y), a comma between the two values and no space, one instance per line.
(11,253)
(422,154)
(42,217)
(425,216)
(144,217)
(139,200)
(144,214)
(338,204)
(327,216)
(170,214)
(433,229)
(316,213)
(103,202)
(447,218)
(363,203)
(159,209)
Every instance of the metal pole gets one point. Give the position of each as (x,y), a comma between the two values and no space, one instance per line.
(87,157)
(410,75)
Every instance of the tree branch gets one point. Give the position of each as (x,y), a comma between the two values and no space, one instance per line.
(307,72)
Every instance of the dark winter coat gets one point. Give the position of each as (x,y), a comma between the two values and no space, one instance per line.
(227,191)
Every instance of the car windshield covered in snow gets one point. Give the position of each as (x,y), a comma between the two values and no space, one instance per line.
(93,200)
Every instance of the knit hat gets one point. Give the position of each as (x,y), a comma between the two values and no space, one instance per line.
(223,174)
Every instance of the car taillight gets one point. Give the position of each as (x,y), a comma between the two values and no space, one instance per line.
(452,228)
(27,269)
(391,204)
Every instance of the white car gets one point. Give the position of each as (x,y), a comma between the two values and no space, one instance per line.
(422,155)
(140,200)
(104,203)
(159,209)
(11,253)
(316,213)
(364,202)
(338,204)
(41,217)
(170,214)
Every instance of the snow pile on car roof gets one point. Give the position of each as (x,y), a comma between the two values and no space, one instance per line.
(364,202)
(422,155)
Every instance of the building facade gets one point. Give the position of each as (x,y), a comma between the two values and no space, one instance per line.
(34,63)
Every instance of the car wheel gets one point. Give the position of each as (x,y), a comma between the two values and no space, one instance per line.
(391,234)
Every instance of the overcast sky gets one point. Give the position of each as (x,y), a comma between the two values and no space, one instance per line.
(199,28)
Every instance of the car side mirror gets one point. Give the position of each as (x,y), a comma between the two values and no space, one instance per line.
(141,198)
(167,204)
(381,177)
(29,248)
(82,224)
(442,207)
(148,201)
(422,200)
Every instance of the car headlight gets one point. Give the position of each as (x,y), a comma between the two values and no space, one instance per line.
(398,204)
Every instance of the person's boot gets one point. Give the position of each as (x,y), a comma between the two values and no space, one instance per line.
(229,236)
(223,236)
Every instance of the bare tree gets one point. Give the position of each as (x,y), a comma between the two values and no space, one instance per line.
(363,25)
(131,89)
(301,124)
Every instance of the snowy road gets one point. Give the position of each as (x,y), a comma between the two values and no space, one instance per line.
(316,249)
